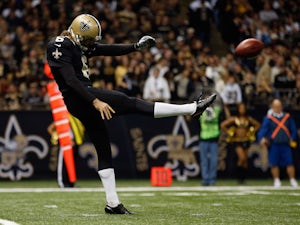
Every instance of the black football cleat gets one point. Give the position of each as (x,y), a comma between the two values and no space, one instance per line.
(202,104)
(120,209)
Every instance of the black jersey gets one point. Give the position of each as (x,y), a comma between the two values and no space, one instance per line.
(69,64)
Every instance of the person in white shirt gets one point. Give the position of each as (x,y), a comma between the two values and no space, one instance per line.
(156,87)
(231,95)
(267,14)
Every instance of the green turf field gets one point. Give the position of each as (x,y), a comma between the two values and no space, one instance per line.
(37,203)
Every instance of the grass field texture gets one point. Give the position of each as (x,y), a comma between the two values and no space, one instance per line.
(184,203)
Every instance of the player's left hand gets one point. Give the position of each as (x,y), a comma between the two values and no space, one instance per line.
(145,42)
(104,109)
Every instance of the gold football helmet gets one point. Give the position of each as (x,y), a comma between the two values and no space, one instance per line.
(85,29)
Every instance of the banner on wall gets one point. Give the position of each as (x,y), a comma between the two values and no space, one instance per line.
(138,143)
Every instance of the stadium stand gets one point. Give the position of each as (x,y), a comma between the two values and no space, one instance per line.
(183,47)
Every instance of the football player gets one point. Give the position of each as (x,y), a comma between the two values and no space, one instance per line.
(68,56)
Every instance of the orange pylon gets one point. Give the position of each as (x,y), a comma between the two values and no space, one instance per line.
(62,124)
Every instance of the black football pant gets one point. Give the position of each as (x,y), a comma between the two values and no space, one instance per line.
(93,123)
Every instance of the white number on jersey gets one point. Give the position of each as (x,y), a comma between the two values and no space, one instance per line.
(59,39)
(85,68)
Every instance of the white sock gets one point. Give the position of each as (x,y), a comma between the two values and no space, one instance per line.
(109,183)
(162,109)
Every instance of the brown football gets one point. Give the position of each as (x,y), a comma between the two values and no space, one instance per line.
(249,48)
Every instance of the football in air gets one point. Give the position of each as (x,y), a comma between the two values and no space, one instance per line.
(249,48)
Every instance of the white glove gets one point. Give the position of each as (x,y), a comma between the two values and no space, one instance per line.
(145,42)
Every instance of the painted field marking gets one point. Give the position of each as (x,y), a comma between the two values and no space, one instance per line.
(135,205)
(7,222)
(152,189)
(50,206)
(90,215)
(217,204)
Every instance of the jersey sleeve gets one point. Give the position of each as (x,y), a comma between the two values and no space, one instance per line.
(59,51)
(111,49)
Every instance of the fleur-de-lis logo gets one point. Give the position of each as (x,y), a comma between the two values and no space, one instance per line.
(180,147)
(14,147)
(84,26)
(56,54)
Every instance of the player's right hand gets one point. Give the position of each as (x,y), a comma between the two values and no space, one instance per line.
(145,42)
(104,109)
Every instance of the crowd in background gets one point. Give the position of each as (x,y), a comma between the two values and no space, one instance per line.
(194,50)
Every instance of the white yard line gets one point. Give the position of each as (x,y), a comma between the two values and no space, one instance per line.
(7,222)
(143,189)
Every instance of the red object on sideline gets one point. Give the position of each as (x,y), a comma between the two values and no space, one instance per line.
(47,71)
(161,176)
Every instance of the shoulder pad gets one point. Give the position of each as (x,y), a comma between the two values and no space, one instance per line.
(59,51)
(61,41)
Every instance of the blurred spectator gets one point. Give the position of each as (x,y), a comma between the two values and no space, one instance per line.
(156,87)
(276,63)
(239,73)
(228,22)
(248,87)
(131,83)
(13,98)
(183,85)
(163,24)
(284,83)
(107,70)
(161,63)
(213,69)
(263,33)
(263,81)
(205,82)
(196,46)
(264,93)
(297,95)
(7,49)
(200,16)
(231,95)
(3,105)
(34,98)
(126,85)
(263,70)
(201,84)
(138,79)
(4,68)
(126,17)
(267,14)
(94,69)
(121,69)
(178,63)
